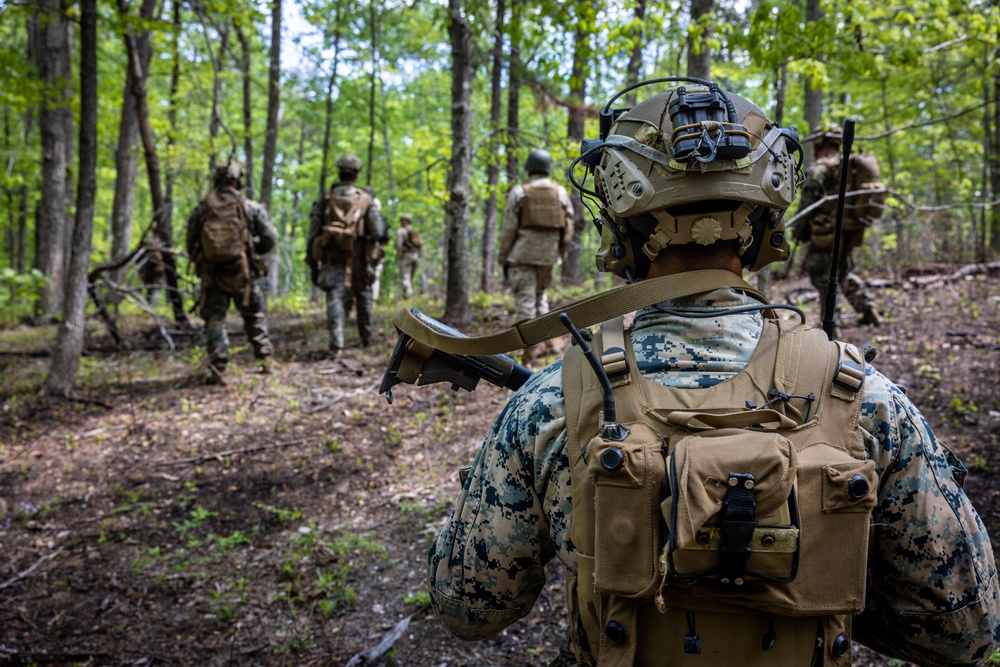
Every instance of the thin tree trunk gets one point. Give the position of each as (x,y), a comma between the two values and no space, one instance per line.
(457,208)
(245,70)
(69,343)
(271,135)
(329,96)
(635,57)
(512,137)
(126,154)
(163,226)
(582,53)
(175,79)
(994,240)
(699,61)
(493,169)
(53,57)
(372,18)
(813,102)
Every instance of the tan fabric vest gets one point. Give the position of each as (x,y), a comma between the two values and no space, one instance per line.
(542,208)
(651,511)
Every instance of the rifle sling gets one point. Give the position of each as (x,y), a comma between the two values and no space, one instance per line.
(585,313)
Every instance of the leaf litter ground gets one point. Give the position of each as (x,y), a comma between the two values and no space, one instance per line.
(285,519)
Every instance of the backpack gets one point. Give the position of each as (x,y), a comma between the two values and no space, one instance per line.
(861,211)
(723,521)
(225,244)
(343,207)
(542,208)
(413,240)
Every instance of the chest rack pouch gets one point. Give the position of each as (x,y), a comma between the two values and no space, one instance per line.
(731,513)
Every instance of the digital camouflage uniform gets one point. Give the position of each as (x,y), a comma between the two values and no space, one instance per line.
(215,304)
(345,283)
(933,577)
(822,179)
(528,254)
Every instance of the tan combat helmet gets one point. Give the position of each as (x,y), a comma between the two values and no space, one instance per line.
(694,164)
(832,135)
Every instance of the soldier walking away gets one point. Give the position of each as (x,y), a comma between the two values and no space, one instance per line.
(537,230)
(408,249)
(226,234)
(818,226)
(344,245)
(723,486)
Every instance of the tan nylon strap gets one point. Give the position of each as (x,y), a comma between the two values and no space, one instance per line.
(742,419)
(786,364)
(584,313)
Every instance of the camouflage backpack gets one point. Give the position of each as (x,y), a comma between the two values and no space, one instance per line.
(343,208)
(724,521)
(225,244)
(861,211)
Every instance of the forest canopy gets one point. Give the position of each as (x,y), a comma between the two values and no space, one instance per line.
(920,78)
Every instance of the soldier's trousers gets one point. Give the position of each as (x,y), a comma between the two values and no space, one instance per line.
(529,283)
(333,280)
(818,265)
(407,267)
(213,311)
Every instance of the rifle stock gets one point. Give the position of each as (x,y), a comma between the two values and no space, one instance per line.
(415,363)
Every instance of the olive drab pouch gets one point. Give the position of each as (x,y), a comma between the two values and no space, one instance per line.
(413,240)
(225,244)
(542,208)
(343,206)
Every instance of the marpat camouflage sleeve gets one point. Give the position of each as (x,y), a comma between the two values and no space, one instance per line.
(486,566)
(262,227)
(933,577)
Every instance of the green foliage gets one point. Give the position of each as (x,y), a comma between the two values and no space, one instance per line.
(17,291)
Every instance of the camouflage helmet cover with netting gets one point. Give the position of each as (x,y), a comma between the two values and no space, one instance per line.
(832,135)
(349,162)
(229,173)
(643,185)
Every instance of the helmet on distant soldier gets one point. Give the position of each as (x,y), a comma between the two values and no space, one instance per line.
(230,173)
(694,164)
(539,162)
(832,135)
(349,163)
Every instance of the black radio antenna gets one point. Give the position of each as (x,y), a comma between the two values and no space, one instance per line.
(831,288)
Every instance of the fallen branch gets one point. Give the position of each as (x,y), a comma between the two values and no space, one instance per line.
(232,452)
(27,573)
(339,397)
(371,656)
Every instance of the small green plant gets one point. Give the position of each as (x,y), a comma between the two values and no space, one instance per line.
(283,515)
(421,598)
(994,660)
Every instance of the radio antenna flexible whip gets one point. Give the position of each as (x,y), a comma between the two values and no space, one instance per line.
(830,308)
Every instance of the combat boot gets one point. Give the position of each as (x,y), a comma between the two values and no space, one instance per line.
(870,317)
(265,366)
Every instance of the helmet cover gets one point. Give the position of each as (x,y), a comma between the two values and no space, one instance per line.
(659,200)
(538,162)
(349,162)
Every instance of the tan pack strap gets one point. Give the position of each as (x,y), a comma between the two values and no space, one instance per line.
(849,377)
(613,358)
(786,363)
(584,313)
(742,419)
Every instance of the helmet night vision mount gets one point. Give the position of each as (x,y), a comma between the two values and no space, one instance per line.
(694,164)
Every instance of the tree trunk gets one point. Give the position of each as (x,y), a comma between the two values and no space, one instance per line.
(493,169)
(271,135)
(699,54)
(53,30)
(512,137)
(372,23)
(994,153)
(163,224)
(175,79)
(127,155)
(245,71)
(457,209)
(813,102)
(635,57)
(329,97)
(582,54)
(69,343)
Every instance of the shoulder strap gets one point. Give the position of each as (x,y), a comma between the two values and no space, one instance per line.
(584,313)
